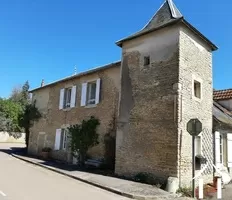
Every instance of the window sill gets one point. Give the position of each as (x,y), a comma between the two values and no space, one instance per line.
(91,106)
(68,109)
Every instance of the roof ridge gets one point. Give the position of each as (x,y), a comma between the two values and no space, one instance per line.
(222,90)
(174,10)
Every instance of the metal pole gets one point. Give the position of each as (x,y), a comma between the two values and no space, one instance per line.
(193,166)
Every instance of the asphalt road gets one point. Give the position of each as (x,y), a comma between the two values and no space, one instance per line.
(23,181)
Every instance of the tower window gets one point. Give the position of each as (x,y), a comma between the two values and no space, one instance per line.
(197,89)
(146,60)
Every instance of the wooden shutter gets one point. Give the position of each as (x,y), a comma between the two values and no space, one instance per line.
(217,149)
(83,94)
(98,88)
(229,150)
(73,96)
(61,104)
(57,139)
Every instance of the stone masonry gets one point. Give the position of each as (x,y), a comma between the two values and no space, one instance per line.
(147,132)
(150,98)
(53,118)
(195,64)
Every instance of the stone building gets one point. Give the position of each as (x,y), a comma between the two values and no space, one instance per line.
(71,100)
(163,80)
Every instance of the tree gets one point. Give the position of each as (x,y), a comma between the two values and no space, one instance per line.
(21,95)
(9,113)
(5,124)
(16,94)
(82,137)
(27,118)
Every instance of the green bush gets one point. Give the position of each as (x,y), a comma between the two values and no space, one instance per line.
(82,137)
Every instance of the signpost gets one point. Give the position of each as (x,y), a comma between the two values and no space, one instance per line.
(194,128)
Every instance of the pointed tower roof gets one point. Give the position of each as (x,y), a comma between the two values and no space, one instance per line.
(167,14)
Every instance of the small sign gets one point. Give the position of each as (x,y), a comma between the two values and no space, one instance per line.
(194,127)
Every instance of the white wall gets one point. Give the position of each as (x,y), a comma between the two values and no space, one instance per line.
(226,103)
(6,138)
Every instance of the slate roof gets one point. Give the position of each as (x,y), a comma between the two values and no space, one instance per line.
(94,70)
(222,114)
(222,94)
(167,15)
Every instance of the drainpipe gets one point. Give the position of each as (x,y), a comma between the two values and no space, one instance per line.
(177,120)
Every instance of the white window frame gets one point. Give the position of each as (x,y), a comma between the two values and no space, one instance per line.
(89,91)
(197,79)
(64,139)
(67,104)
(221,149)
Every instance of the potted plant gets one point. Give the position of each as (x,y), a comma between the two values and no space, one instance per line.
(45,152)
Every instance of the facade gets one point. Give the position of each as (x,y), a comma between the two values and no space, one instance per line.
(163,80)
(68,102)
(223,129)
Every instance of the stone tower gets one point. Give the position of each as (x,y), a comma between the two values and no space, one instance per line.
(166,79)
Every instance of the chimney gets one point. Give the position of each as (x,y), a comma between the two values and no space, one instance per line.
(42,83)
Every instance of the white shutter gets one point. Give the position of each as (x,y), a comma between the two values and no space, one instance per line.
(229,149)
(217,149)
(83,94)
(73,96)
(61,104)
(57,139)
(98,88)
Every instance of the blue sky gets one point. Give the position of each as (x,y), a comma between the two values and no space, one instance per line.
(45,39)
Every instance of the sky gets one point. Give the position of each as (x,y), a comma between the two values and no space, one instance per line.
(46,39)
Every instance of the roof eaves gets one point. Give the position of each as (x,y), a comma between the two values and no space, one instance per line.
(138,34)
(191,27)
(79,75)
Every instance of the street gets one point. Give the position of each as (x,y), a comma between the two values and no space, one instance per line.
(22,181)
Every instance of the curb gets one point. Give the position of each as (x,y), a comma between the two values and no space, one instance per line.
(89,182)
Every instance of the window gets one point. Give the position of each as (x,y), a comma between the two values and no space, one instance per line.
(63,140)
(221,149)
(146,60)
(91,93)
(198,145)
(67,97)
(197,89)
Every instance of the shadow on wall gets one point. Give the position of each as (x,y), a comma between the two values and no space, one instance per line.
(6,137)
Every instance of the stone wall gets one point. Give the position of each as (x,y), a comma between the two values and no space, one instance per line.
(195,64)
(8,138)
(53,118)
(147,134)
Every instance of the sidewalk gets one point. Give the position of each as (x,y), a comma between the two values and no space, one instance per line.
(119,186)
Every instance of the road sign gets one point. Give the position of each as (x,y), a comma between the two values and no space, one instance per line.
(194,127)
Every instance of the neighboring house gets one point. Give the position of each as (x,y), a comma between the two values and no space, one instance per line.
(223,128)
(164,80)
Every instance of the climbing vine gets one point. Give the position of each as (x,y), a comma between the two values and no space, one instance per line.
(82,137)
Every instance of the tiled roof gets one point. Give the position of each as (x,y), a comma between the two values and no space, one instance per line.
(222,94)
